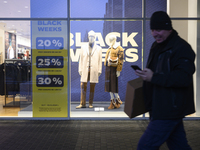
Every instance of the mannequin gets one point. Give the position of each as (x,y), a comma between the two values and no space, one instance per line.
(113,62)
(90,68)
(10,53)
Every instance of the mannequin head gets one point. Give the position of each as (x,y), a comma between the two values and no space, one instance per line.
(91,36)
(112,39)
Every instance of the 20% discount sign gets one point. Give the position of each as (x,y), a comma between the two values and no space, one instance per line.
(49,43)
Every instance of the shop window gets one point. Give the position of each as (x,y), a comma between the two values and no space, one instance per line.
(106,9)
(153,5)
(128,37)
(15,67)
(48,9)
(15,9)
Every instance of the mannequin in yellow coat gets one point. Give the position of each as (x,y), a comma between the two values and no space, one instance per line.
(113,62)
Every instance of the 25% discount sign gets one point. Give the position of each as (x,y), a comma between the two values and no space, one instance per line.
(49,62)
(49,43)
(49,80)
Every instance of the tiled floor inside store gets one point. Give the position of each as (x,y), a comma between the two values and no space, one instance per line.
(9,111)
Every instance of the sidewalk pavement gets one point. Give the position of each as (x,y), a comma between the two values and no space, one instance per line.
(81,134)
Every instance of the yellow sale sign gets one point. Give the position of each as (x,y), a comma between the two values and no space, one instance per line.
(49,69)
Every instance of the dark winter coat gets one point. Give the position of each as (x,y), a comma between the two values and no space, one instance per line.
(170,93)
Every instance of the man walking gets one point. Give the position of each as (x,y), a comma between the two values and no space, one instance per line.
(168,86)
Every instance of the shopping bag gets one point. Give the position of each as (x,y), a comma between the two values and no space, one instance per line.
(134,101)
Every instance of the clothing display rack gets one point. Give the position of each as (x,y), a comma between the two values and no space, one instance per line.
(16,71)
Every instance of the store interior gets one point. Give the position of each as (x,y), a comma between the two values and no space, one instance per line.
(15,48)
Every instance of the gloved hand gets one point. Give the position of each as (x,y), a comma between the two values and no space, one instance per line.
(80,72)
(99,74)
(118,73)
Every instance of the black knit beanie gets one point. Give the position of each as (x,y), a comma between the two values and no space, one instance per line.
(160,20)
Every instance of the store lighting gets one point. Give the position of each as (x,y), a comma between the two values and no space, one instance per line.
(18,11)
(12,31)
(5,2)
(26,6)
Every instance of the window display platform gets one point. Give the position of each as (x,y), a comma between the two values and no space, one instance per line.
(99,110)
(26,112)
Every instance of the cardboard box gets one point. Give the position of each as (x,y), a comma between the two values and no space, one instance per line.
(134,101)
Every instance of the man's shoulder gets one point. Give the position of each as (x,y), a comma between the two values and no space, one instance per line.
(178,42)
(181,40)
(182,46)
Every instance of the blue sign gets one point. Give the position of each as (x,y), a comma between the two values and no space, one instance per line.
(49,80)
(49,43)
(49,62)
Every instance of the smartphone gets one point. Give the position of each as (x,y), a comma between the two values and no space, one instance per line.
(136,67)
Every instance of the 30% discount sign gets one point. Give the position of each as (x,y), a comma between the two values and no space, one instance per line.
(49,43)
(49,80)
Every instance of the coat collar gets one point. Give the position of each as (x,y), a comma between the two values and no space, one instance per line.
(115,45)
(168,46)
(93,48)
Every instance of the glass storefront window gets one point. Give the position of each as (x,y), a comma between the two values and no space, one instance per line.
(15,9)
(129,35)
(51,47)
(15,68)
(48,8)
(49,68)
(152,6)
(33,9)
(106,9)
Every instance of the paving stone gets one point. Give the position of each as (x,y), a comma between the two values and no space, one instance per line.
(82,134)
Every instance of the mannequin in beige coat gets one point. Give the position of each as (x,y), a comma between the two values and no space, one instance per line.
(90,68)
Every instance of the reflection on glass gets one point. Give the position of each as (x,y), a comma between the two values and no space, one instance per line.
(152,6)
(48,8)
(15,9)
(15,56)
(106,8)
(129,35)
